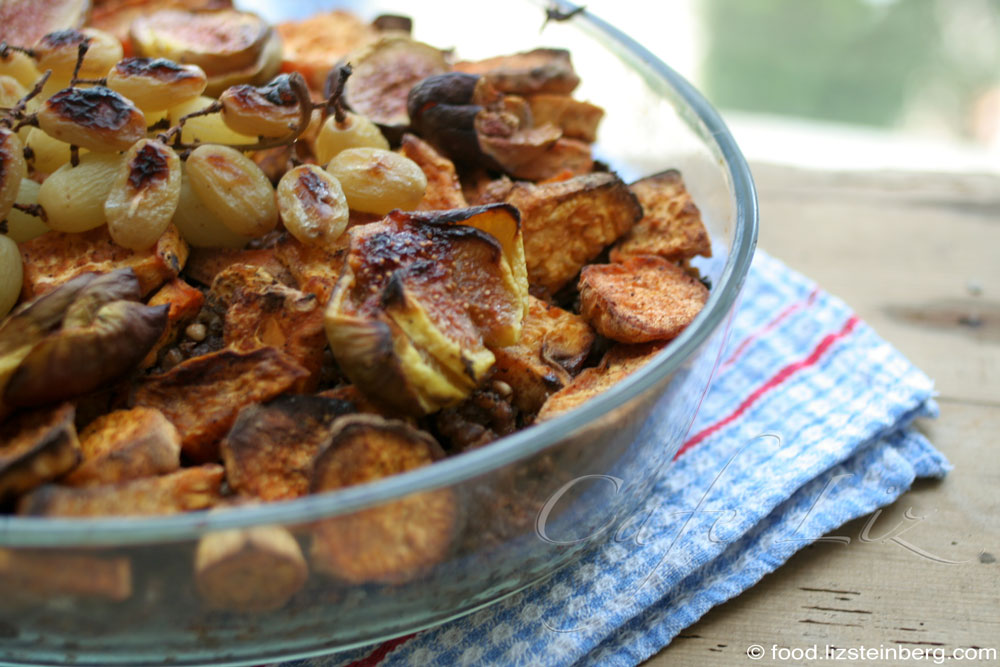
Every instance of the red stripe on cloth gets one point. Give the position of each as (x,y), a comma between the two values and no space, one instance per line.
(775,380)
(384,649)
(791,308)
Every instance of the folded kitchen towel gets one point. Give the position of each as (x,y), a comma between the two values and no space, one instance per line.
(807,425)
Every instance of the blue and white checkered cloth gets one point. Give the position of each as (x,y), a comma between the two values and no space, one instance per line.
(807,426)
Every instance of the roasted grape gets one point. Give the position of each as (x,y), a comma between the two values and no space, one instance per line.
(19,66)
(234,188)
(22,226)
(11,274)
(377,181)
(48,154)
(73,197)
(59,52)
(144,195)
(155,84)
(312,205)
(354,132)
(266,111)
(198,225)
(97,118)
(12,169)
(209,129)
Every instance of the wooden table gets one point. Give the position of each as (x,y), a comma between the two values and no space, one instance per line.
(918,257)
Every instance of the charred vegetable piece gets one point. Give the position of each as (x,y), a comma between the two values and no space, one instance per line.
(618,363)
(261,312)
(314,269)
(384,73)
(36,447)
(36,575)
(577,120)
(443,188)
(125,445)
(478,420)
(396,541)
(671,224)
(641,300)
(182,491)
(528,73)
(269,451)
(421,297)
(103,334)
(553,346)
(249,570)
(203,395)
(54,258)
(206,263)
(184,303)
(567,224)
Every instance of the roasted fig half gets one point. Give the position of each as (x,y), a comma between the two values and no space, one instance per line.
(422,297)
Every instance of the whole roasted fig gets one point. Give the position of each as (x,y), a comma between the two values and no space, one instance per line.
(442,112)
(85,333)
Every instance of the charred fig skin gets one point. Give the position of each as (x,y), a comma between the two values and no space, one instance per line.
(80,359)
(100,290)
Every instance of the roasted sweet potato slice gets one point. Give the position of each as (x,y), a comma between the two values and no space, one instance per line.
(618,363)
(640,300)
(314,45)
(567,224)
(671,224)
(262,312)
(249,570)
(577,120)
(203,395)
(536,71)
(125,445)
(314,269)
(185,303)
(393,542)
(443,189)
(34,575)
(182,491)
(55,257)
(206,263)
(554,344)
(269,451)
(36,447)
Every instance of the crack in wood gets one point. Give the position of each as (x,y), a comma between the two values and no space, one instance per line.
(848,611)
(904,641)
(815,622)
(827,590)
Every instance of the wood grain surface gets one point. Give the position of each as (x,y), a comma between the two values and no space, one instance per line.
(918,257)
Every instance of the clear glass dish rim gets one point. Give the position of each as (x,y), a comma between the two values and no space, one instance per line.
(121,531)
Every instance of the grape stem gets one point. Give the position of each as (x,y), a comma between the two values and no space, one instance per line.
(32,209)
(336,102)
(305,103)
(17,111)
(81,51)
(6,48)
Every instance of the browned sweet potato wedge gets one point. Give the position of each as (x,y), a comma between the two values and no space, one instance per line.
(351,394)
(185,302)
(443,189)
(36,447)
(262,312)
(536,71)
(125,445)
(206,263)
(314,45)
(577,120)
(567,224)
(269,451)
(671,224)
(640,300)
(34,574)
(182,491)
(203,395)
(55,257)
(314,269)
(393,542)
(553,345)
(249,570)
(618,363)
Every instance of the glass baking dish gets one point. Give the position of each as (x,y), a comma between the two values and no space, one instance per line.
(526,505)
